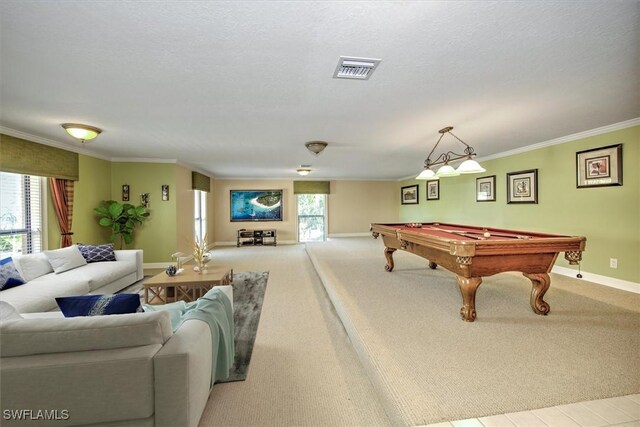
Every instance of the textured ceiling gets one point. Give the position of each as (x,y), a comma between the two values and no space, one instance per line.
(237,88)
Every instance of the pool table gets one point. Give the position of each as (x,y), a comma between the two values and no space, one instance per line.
(474,252)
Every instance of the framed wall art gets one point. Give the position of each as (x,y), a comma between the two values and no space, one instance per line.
(409,195)
(599,167)
(433,190)
(165,192)
(486,189)
(522,186)
(256,205)
(125,193)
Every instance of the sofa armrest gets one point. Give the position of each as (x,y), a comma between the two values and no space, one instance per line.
(135,255)
(182,375)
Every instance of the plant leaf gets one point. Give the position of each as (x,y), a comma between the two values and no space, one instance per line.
(115,210)
(105,222)
(101,211)
(127,238)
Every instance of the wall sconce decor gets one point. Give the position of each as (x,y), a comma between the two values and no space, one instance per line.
(144,199)
(165,193)
(125,193)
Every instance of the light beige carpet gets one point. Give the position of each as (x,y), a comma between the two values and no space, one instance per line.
(303,371)
(429,366)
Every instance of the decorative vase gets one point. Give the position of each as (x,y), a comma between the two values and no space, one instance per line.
(171,270)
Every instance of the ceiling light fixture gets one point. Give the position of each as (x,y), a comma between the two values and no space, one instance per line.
(316,147)
(446,170)
(303,171)
(81,132)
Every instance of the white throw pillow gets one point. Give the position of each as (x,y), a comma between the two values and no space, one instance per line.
(32,266)
(8,312)
(65,259)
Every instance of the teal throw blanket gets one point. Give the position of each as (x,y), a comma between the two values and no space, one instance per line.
(214,308)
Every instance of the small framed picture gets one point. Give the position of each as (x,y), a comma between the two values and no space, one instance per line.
(522,187)
(409,195)
(165,193)
(599,167)
(486,189)
(125,193)
(433,190)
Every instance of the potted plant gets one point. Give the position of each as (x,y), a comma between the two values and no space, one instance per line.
(122,218)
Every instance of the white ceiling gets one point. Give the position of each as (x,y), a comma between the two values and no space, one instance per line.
(237,88)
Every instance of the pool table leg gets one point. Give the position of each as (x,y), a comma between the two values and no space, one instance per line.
(541,282)
(388,254)
(468,287)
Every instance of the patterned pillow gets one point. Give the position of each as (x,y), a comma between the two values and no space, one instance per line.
(99,305)
(97,253)
(9,276)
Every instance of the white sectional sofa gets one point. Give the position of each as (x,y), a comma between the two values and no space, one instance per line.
(39,293)
(117,370)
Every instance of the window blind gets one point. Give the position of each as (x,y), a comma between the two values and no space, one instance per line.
(20,214)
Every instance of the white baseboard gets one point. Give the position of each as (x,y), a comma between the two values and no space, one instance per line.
(338,235)
(601,280)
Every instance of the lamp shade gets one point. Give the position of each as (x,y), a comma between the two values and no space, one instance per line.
(427,174)
(447,170)
(81,132)
(470,166)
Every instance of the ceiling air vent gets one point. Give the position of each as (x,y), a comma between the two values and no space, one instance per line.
(355,68)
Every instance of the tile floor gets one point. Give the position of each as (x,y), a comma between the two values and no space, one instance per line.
(616,411)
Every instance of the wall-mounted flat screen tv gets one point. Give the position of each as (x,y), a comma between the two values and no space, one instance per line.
(256,205)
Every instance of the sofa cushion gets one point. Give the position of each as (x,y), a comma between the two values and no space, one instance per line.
(99,305)
(9,276)
(39,294)
(32,266)
(97,253)
(65,259)
(8,312)
(99,274)
(104,388)
(64,335)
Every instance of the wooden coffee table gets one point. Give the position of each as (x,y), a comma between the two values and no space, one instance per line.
(186,286)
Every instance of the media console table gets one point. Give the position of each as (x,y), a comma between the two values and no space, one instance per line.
(256,237)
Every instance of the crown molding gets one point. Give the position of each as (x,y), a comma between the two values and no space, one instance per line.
(50,142)
(141,160)
(562,140)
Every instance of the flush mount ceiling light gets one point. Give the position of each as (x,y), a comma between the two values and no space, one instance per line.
(446,170)
(316,147)
(81,132)
(351,67)
(304,170)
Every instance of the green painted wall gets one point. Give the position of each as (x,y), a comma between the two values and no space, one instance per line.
(609,217)
(157,236)
(93,186)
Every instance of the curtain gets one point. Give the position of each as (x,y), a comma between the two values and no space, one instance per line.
(62,196)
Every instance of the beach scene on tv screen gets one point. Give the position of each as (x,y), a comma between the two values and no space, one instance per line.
(256,205)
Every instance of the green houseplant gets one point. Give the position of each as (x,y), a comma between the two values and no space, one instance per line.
(122,218)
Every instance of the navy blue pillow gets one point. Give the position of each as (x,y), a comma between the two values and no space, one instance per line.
(97,253)
(9,276)
(98,305)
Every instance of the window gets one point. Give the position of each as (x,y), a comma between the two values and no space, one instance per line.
(200,211)
(312,217)
(20,214)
